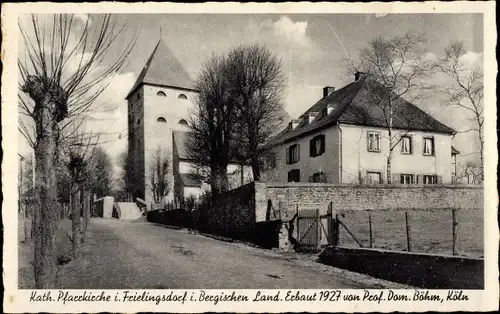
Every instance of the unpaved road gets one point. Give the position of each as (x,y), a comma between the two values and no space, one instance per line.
(127,255)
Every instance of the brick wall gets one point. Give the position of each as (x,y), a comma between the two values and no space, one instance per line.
(346,197)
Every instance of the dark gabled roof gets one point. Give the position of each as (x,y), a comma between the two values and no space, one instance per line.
(354,104)
(189,179)
(163,68)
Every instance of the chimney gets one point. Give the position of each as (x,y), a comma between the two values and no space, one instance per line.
(293,124)
(358,75)
(312,116)
(327,90)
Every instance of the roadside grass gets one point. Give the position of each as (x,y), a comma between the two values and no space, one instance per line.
(431,231)
(26,275)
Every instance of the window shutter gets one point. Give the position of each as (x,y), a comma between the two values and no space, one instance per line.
(312,147)
(411,144)
(396,178)
(368,141)
(433,147)
(298,152)
(288,155)
(322,143)
(420,179)
(439,179)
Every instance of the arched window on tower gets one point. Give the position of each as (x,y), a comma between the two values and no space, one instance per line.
(161,119)
(182,96)
(161,93)
(183,122)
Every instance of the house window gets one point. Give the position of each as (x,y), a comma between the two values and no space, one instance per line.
(182,96)
(407,179)
(373,177)
(430,179)
(293,154)
(406,145)
(428,146)
(317,145)
(183,122)
(161,119)
(294,175)
(161,93)
(318,177)
(373,141)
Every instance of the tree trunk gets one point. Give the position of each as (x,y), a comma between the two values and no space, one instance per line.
(75,222)
(45,208)
(27,229)
(481,152)
(86,214)
(389,157)
(255,168)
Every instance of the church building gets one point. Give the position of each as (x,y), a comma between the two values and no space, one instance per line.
(159,105)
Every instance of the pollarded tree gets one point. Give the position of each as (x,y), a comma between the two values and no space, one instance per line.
(396,69)
(466,92)
(62,72)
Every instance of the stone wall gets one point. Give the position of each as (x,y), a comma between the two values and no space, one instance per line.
(427,271)
(287,196)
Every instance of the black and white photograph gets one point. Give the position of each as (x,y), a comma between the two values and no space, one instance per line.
(173,158)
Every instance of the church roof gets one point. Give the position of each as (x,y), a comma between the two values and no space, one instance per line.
(353,104)
(163,68)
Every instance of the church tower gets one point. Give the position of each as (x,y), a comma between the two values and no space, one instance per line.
(158,104)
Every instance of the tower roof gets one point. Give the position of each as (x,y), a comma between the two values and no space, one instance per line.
(163,68)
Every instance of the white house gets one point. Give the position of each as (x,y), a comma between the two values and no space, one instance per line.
(343,139)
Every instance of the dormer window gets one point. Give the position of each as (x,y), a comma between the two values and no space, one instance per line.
(161,94)
(293,124)
(311,116)
(182,96)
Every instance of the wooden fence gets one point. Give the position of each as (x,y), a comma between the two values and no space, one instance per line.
(414,230)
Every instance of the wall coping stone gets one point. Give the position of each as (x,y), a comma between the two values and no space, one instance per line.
(366,186)
(433,255)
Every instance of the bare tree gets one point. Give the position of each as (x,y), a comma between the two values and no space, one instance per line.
(257,83)
(129,175)
(395,69)
(159,169)
(53,92)
(78,154)
(101,172)
(212,124)
(466,92)
(470,173)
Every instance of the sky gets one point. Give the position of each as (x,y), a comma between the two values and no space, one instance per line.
(312,48)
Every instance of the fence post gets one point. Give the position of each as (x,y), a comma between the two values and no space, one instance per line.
(455,224)
(318,227)
(336,230)
(329,223)
(370,226)
(408,232)
(298,221)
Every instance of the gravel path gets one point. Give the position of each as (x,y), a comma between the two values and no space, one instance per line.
(140,255)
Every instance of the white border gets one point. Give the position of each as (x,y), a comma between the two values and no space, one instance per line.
(18,300)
